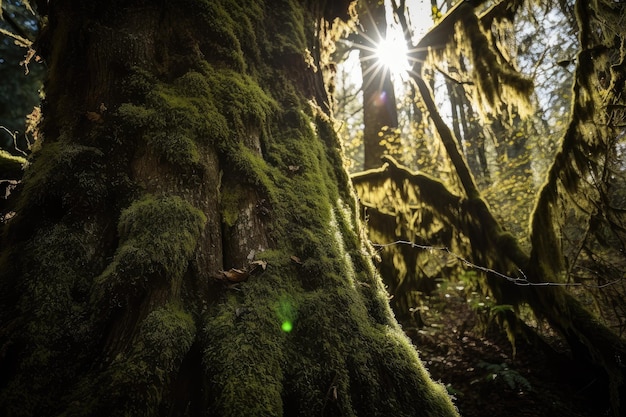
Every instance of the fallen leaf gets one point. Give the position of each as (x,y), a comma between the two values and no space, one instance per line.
(296,259)
(94,117)
(235,275)
(258,265)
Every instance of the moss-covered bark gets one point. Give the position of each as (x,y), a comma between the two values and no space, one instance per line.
(183,142)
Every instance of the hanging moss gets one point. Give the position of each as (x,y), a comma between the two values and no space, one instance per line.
(496,82)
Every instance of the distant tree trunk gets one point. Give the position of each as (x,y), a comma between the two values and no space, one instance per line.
(467,131)
(379,99)
(185,241)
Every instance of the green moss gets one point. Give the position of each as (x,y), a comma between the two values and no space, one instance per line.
(251,165)
(10,165)
(291,37)
(223,42)
(58,282)
(340,360)
(342,355)
(180,116)
(176,118)
(137,116)
(59,167)
(158,237)
(168,228)
(496,82)
(244,357)
(138,381)
(244,102)
(336,353)
(230,200)
(54,296)
(336,357)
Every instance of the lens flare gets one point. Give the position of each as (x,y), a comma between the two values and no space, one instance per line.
(286,313)
(287,326)
(392,53)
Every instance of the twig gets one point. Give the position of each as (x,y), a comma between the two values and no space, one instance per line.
(523,281)
(14,136)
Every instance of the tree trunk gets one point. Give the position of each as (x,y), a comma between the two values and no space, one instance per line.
(380,116)
(185,240)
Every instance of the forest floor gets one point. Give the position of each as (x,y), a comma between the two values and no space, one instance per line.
(486,379)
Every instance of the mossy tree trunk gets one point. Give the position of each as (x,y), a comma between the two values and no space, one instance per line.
(184,242)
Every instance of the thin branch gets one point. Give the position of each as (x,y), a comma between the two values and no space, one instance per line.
(19,40)
(14,136)
(523,281)
(451,78)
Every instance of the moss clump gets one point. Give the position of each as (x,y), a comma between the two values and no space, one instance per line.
(290,39)
(231,42)
(59,278)
(167,227)
(67,176)
(230,200)
(158,237)
(176,118)
(180,116)
(244,102)
(244,354)
(138,381)
(57,335)
(10,165)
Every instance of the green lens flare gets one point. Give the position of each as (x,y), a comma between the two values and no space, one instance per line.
(286,312)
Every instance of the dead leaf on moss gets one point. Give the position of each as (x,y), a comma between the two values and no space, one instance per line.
(92,116)
(235,275)
(258,266)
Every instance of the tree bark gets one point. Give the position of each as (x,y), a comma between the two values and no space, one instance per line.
(185,240)
(380,116)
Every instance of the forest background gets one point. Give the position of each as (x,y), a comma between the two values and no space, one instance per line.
(490,169)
